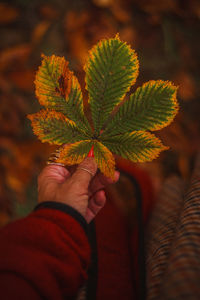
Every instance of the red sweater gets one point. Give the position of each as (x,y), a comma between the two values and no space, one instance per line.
(43,256)
(47,254)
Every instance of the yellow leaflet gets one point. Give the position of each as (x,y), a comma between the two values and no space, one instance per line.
(162,86)
(53,80)
(104,159)
(49,122)
(144,147)
(72,154)
(137,146)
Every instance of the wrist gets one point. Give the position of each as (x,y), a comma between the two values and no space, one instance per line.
(65,208)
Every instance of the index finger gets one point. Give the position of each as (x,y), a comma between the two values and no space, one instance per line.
(100,181)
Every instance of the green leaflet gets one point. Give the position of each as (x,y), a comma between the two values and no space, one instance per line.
(111,69)
(74,108)
(53,127)
(74,153)
(152,107)
(102,156)
(137,146)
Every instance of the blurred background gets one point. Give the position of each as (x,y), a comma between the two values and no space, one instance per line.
(165,35)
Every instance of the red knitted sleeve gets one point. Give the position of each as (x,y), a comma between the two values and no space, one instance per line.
(43,256)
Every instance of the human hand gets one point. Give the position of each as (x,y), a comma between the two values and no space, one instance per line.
(75,187)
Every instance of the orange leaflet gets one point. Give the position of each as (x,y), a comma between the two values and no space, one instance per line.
(53,80)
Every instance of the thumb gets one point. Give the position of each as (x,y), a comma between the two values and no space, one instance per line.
(85,171)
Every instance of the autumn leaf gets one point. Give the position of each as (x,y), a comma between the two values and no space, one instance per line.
(53,127)
(105,159)
(111,69)
(74,153)
(152,107)
(58,89)
(137,146)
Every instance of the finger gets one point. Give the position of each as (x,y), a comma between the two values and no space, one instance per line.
(85,172)
(54,173)
(100,181)
(95,205)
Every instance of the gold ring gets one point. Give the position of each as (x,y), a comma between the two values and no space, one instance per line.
(84,169)
(55,163)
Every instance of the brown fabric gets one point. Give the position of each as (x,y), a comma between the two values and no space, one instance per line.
(173,242)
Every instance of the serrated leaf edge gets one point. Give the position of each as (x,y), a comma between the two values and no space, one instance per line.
(47,114)
(133,55)
(169,84)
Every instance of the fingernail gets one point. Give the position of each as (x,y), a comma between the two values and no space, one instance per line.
(91,152)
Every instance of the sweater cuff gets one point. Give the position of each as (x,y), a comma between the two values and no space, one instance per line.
(66,209)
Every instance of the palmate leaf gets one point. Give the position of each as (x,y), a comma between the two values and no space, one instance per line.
(58,89)
(152,107)
(137,146)
(53,127)
(111,69)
